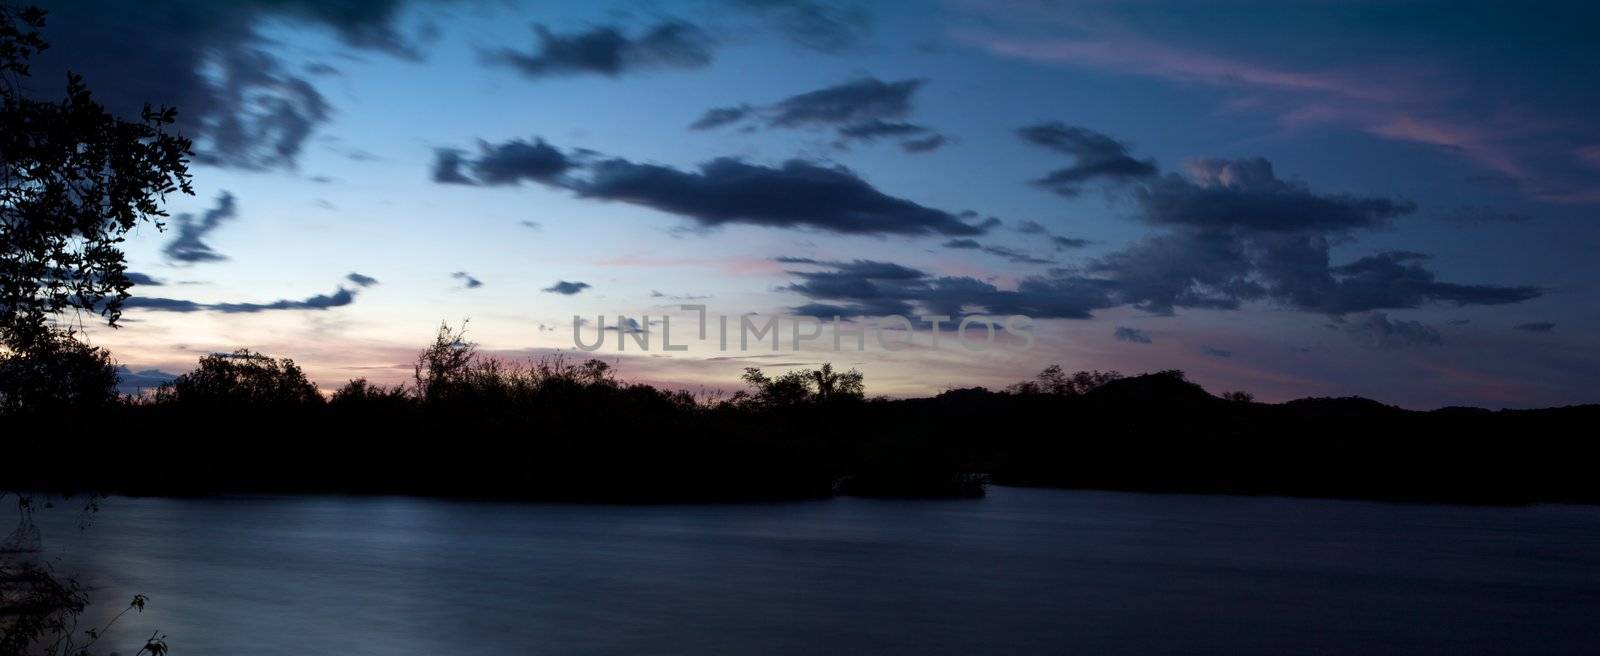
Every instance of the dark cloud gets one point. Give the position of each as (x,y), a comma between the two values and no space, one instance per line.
(1216,352)
(243,107)
(719,116)
(566,288)
(447,166)
(531,225)
(852,102)
(862,110)
(360,280)
(1246,194)
(878,128)
(927,145)
(505,163)
(629,326)
(1264,250)
(143,279)
(608,51)
(1061,243)
(1237,233)
(467,280)
(188,243)
(1537,326)
(798,194)
(1394,280)
(134,382)
(1126,334)
(872,288)
(1097,157)
(1011,254)
(1377,330)
(339,298)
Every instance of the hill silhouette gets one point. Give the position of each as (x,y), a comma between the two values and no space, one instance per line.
(472,426)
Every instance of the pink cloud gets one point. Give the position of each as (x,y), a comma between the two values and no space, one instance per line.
(1402,102)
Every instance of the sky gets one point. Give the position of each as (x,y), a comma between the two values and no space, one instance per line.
(1386,199)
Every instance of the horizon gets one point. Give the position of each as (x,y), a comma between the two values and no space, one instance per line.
(1399,208)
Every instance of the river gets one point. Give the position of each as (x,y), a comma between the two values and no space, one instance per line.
(1021,571)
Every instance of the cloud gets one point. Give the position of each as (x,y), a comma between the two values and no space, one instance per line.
(851,102)
(679,297)
(873,288)
(1126,334)
(1216,352)
(1231,233)
(566,288)
(1247,194)
(360,280)
(798,194)
(1011,254)
(608,51)
(1537,326)
(1097,157)
(1061,243)
(501,164)
(631,326)
(875,128)
(928,145)
(861,110)
(243,107)
(1236,233)
(467,280)
(447,166)
(1377,330)
(339,298)
(719,116)
(188,243)
(132,382)
(143,279)
(1452,107)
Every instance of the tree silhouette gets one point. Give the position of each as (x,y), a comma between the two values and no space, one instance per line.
(243,379)
(800,386)
(1054,380)
(56,373)
(74,179)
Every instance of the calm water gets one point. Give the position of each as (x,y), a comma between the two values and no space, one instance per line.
(1023,571)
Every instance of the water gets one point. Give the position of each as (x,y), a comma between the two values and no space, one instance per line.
(1023,571)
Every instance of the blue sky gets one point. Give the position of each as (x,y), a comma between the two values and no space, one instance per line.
(1256,183)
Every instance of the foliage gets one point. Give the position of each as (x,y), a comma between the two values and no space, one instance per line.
(821,385)
(1055,381)
(243,379)
(40,608)
(74,179)
(55,372)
